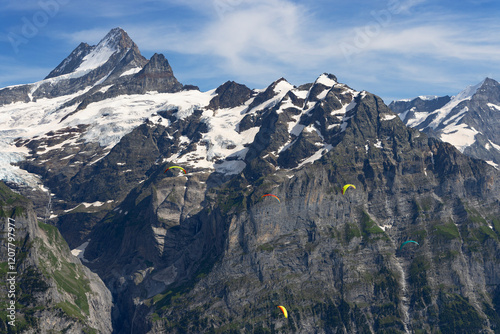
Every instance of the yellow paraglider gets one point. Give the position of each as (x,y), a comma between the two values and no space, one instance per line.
(175,167)
(283,309)
(344,188)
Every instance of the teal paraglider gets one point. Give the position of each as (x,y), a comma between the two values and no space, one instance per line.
(404,243)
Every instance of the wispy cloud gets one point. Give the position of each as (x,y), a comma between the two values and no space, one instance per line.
(249,40)
(405,7)
(437,41)
(90,36)
(254,40)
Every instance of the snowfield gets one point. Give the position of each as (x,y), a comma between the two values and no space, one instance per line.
(107,121)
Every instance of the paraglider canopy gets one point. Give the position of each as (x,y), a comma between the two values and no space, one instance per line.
(283,309)
(404,243)
(175,167)
(344,188)
(272,196)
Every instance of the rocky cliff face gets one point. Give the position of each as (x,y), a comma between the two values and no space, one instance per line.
(53,290)
(204,257)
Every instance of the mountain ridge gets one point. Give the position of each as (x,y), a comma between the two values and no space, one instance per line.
(467,120)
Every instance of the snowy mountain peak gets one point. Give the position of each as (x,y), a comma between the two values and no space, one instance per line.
(489,82)
(116,38)
(488,90)
(86,58)
(281,86)
(88,69)
(326,79)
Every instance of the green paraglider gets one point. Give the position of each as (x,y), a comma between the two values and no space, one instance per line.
(404,243)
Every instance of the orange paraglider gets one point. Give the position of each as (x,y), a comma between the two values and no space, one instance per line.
(283,309)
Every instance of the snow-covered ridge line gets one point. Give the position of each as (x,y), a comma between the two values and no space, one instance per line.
(295,128)
(442,112)
(107,121)
(467,93)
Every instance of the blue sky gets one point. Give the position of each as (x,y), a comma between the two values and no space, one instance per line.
(393,48)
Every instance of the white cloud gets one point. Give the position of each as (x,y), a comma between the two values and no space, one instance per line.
(250,39)
(255,38)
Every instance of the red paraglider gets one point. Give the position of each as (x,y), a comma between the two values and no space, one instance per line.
(272,196)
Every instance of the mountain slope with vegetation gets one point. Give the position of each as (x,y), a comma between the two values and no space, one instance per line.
(53,290)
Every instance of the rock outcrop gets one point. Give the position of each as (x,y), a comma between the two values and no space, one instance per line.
(53,291)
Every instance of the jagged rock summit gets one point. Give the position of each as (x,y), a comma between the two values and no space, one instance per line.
(84,58)
(468,120)
(89,71)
